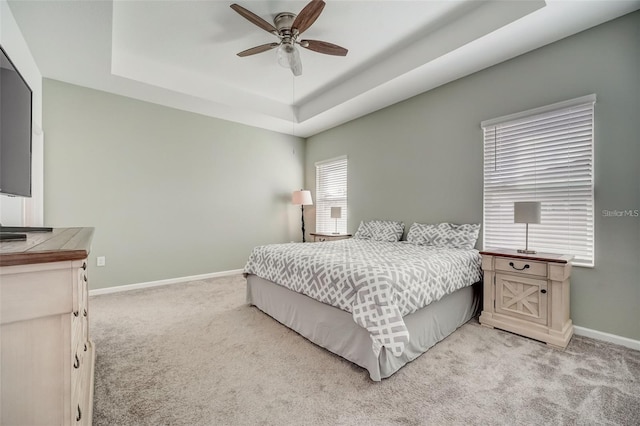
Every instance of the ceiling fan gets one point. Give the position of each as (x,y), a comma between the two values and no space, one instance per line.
(288,27)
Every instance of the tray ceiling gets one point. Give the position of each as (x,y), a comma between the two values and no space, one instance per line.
(182,54)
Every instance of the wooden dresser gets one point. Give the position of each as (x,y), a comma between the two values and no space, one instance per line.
(48,357)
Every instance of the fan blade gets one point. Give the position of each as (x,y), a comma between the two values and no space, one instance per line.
(258,49)
(308,16)
(324,47)
(253,18)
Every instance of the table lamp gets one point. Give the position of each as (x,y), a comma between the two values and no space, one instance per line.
(526,212)
(336,213)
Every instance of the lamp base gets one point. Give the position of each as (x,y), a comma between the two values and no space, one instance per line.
(527,251)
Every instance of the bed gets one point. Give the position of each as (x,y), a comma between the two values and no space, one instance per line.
(376,301)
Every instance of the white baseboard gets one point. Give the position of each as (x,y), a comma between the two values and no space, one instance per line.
(138,286)
(607,337)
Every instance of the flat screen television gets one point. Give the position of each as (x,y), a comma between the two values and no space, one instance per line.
(15,130)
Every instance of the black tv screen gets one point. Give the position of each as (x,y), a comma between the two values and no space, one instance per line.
(15,130)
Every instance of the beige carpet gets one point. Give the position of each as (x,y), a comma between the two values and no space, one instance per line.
(196,354)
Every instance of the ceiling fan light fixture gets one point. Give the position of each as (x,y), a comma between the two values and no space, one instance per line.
(289,57)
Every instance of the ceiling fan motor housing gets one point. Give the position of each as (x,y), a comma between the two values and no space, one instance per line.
(284,21)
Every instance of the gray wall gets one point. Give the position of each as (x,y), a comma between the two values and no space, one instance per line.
(421,160)
(170,193)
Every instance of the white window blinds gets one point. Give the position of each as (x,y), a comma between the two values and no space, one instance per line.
(543,155)
(331,191)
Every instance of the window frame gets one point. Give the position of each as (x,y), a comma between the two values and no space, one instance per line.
(531,139)
(324,202)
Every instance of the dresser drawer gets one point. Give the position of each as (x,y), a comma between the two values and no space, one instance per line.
(77,358)
(80,294)
(78,406)
(318,238)
(81,408)
(80,385)
(84,311)
(525,267)
(76,398)
(35,291)
(77,332)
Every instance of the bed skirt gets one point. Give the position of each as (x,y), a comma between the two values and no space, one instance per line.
(335,330)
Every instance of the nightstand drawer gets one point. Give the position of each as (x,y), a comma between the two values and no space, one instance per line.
(526,267)
(320,237)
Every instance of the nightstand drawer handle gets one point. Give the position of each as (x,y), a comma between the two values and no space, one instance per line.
(526,266)
(76,364)
(543,291)
(84,266)
(79,416)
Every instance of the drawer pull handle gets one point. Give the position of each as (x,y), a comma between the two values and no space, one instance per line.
(76,364)
(543,291)
(85,278)
(85,347)
(526,266)
(79,416)
(84,312)
(75,313)
(84,266)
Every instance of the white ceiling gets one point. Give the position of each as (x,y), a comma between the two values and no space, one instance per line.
(182,54)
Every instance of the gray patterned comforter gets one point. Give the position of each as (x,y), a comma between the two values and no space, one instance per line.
(377,282)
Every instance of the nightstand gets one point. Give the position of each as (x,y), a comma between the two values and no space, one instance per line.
(528,294)
(327,236)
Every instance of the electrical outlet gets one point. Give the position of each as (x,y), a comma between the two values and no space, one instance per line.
(101,261)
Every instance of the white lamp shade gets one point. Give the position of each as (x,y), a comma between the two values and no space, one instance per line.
(336,212)
(526,212)
(302,197)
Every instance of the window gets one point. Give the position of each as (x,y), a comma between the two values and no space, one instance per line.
(544,155)
(331,191)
